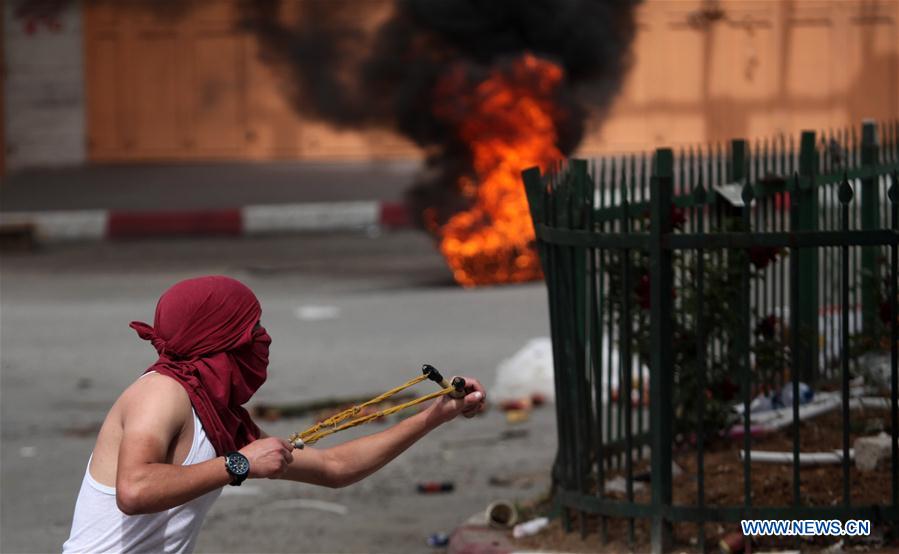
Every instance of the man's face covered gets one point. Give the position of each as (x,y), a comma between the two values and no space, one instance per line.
(207,333)
(248,358)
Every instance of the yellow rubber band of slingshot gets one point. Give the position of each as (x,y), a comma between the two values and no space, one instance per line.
(330,425)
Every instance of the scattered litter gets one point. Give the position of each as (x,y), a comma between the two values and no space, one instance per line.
(438,540)
(732,543)
(876,367)
(530,528)
(310,504)
(477,519)
(529,374)
(835,548)
(805,458)
(871,452)
(317,313)
(436,487)
(28,451)
(619,485)
(782,398)
(763,422)
(502,514)
(529,371)
(515,404)
(517,416)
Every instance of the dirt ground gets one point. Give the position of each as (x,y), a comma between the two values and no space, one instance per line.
(772,485)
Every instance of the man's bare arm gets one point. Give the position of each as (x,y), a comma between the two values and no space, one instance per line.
(354,460)
(154,412)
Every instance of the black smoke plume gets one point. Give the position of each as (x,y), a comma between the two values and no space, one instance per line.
(370,63)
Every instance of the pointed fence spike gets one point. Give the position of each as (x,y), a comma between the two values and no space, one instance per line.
(893,193)
(846,192)
(747,194)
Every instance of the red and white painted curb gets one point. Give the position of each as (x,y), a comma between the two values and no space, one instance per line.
(245,221)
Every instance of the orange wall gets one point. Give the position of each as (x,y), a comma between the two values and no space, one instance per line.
(165,85)
(766,67)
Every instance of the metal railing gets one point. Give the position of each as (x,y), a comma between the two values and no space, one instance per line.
(677,281)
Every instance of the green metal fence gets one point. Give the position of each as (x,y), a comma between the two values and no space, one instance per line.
(679,281)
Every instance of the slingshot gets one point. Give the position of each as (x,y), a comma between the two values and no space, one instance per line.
(329,426)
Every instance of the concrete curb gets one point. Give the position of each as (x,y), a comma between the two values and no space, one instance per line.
(246,221)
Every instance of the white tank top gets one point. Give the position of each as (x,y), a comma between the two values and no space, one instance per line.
(99,526)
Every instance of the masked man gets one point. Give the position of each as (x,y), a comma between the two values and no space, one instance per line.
(180,433)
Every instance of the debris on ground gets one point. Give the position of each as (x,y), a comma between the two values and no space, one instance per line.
(875,367)
(618,485)
(436,487)
(871,452)
(805,458)
(782,398)
(514,404)
(517,416)
(530,528)
(438,540)
(502,514)
(528,372)
(774,419)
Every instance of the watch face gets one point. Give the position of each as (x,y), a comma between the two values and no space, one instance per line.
(238,464)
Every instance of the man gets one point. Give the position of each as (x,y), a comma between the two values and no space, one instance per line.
(180,433)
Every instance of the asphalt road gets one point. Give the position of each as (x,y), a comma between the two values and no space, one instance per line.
(349,315)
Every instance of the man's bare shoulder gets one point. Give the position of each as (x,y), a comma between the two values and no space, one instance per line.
(156,394)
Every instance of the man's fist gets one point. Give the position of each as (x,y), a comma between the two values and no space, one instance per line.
(268,457)
(446,408)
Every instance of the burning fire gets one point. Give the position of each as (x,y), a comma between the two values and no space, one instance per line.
(507,121)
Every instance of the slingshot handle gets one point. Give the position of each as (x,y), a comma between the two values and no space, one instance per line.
(459,386)
(434,375)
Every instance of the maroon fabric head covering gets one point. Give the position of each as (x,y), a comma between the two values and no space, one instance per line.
(206,334)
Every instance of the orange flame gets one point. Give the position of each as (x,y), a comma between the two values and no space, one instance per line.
(507,122)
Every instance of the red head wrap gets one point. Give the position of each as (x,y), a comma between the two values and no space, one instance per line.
(205,331)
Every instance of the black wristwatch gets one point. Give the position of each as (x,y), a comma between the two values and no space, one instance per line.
(238,467)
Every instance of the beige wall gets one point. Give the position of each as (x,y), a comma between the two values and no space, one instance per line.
(766,67)
(186,85)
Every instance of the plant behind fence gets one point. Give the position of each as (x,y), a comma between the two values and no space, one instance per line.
(683,286)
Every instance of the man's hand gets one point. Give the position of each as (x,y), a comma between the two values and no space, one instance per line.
(268,457)
(447,408)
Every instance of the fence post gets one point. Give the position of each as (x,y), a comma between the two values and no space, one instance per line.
(737,161)
(870,221)
(807,200)
(661,369)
